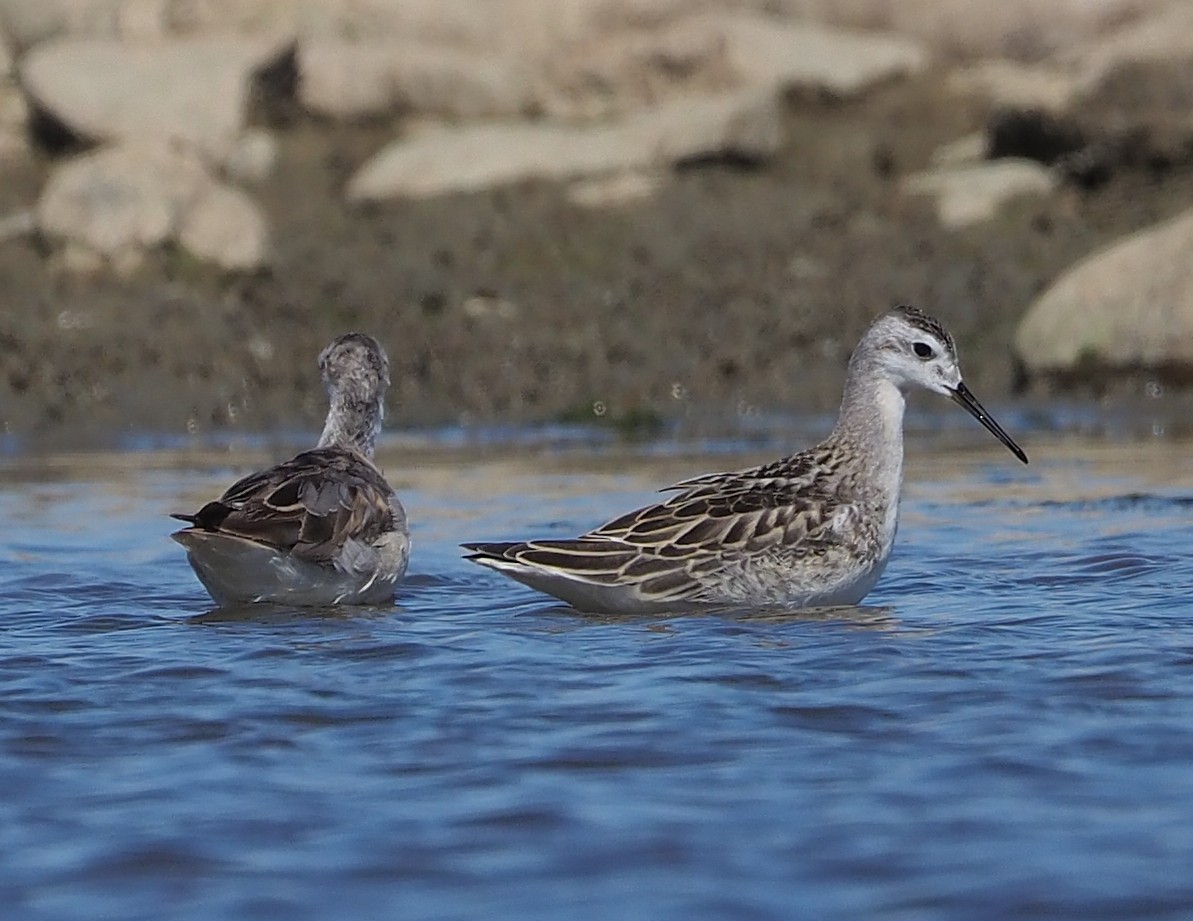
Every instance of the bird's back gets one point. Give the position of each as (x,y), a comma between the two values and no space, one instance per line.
(324,525)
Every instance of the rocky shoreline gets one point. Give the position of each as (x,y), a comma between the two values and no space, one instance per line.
(732,226)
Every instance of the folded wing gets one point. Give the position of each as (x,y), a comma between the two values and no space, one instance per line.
(309,506)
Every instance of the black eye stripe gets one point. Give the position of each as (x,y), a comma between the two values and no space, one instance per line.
(923,350)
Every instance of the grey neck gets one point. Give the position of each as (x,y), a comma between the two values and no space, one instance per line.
(871,418)
(352,423)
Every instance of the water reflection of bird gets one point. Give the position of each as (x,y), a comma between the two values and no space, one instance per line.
(812,529)
(323,527)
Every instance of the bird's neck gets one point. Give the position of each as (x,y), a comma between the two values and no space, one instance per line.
(352,423)
(871,426)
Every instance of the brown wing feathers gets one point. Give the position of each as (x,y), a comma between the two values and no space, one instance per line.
(309,505)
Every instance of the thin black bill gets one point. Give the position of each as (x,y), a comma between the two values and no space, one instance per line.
(962,397)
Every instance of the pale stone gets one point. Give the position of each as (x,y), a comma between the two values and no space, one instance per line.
(1021,29)
(615,191)
(14,116)
(1127,306)
(612,73)
(17,224)
(348,80)
(133,197)
(972,194)
(713,52)
(130,195)
(972,148)
(252,156)
(482,156)
(769,51)
(192,89)
(14,110)
(77,259)
(143,20)
(126,263)
(1166,34)
(1012,85)
(531,29)
(224,226)
(29,22)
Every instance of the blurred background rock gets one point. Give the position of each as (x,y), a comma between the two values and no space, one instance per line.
(657,208)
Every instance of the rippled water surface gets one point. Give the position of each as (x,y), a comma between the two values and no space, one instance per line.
(1006,731)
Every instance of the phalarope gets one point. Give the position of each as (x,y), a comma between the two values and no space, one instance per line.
(323,527)
(810,530)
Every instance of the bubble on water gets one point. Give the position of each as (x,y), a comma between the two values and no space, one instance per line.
(678,391)
(599,408)
(1154,389)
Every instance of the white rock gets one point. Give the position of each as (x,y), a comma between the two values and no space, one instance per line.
(482,156)
(1165,34)
(77,259)
(1020,29)
(17,224)
(192,89)
(141,20)
(14,116)
(615,191)
(347,80)
(528,28)
(773,52)
(133,197)
(1128,306)
(460,84)
(970,149)
(252,156)
(1006,83)
(29,22)
(616,72)
(225,226)
(745,124)
(972,194)
(710,52)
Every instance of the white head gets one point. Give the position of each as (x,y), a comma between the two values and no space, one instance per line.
(910,348)
(355,371)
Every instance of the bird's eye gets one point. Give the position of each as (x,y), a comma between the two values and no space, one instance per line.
(923,350)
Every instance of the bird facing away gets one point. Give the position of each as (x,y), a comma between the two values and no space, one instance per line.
(810,530)
(323,527)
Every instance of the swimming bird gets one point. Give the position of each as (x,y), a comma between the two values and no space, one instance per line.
(813,529)
(322,528)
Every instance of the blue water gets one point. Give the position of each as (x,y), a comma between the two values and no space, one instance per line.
(1005,731)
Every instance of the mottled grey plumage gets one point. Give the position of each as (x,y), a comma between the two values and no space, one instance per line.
(323,527)
(355,371)
(812,529)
